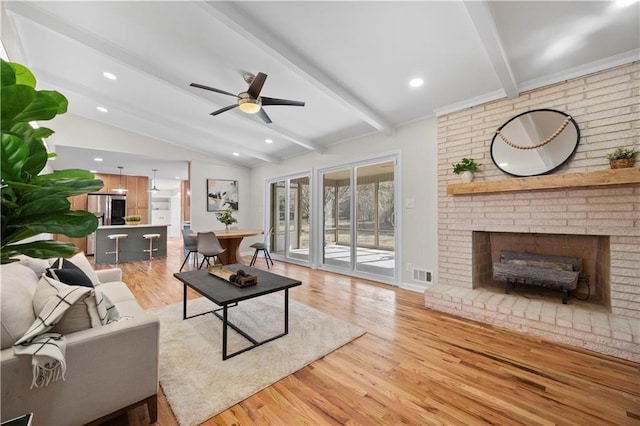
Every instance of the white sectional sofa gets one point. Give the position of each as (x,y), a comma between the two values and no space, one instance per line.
(110,368)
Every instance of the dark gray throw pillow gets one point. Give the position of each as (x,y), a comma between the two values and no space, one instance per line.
(68,273)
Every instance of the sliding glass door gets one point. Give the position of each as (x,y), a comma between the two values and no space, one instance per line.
(337,218)
(359,218)
(290,218)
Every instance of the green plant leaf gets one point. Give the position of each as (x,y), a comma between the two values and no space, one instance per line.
(14,100)
(68,175)
(42,107)
(58,99)
(37,160)
(51,204)
(44,249)
(15,154)
(23,75)
(7,74)
(74,224)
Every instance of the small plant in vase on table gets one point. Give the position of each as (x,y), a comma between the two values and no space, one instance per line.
(622,158)
(226,217)
(466,168)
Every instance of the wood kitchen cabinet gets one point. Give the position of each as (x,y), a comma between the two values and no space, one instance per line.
(138,197)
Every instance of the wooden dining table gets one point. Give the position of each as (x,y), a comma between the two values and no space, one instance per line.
(230,239)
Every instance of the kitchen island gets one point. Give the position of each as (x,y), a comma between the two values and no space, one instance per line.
(131,248)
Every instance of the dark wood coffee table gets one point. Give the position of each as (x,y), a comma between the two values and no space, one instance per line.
(226,295)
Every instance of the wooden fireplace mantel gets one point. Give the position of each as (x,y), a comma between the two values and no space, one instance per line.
(533,183)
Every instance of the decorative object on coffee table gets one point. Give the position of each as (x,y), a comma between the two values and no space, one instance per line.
(622,158)
(239,278)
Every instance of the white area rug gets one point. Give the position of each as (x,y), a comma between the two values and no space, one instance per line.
(199,385)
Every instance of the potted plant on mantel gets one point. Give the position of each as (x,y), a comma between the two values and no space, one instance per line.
(226,217)
(622,158)
(33,203)
(133,219)
(466,168)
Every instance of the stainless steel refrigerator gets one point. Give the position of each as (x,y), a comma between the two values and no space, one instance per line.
(110,209)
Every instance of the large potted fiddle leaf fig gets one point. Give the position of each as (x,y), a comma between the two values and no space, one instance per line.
(35,203)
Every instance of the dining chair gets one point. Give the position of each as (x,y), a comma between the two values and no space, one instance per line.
(263,247)
(209,247)
(190,244)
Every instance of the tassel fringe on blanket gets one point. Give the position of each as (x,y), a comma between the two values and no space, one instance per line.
(48,362)
(48,349)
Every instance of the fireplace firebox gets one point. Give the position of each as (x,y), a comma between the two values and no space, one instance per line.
(568,263)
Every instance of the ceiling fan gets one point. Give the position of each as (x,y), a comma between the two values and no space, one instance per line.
(250,101)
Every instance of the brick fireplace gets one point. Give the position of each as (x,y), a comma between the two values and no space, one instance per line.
(602,222)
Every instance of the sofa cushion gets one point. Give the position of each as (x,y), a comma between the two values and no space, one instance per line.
(120,295)
(17,290)
(77,317)
(39,266)
(81,261)
(69,274)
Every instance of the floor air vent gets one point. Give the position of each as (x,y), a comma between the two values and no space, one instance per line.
(422,275)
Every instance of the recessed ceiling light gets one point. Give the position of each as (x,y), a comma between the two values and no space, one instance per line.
(268,141)
(236,154)
(416,82)
(178,177)
(109,75)
(98,159)
(93,171)
(102,109)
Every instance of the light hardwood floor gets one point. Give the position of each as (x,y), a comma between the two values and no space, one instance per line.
(413,366)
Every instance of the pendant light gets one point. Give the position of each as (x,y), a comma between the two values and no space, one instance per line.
(154,189)
(120,189)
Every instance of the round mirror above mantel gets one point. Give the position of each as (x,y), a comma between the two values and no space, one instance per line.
(535,142)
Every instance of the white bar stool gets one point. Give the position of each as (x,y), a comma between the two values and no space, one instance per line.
(151,237)
(116,237)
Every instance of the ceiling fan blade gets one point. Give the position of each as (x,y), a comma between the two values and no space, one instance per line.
(221,110)
(256,85)
(276,101)
(200,86)
(264,116)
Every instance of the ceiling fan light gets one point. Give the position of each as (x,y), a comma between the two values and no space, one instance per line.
(250,106)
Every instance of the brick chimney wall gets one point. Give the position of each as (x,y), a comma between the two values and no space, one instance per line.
(606,107)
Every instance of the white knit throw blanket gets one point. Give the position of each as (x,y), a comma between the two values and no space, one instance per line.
(48,349)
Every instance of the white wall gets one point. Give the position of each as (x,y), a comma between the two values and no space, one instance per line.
(75,131)
(417,144)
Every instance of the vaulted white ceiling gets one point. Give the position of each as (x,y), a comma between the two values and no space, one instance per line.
(349,61)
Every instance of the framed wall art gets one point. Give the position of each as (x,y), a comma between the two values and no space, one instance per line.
(222,194)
